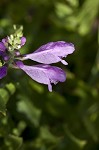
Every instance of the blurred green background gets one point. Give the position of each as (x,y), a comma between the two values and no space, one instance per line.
(32,118)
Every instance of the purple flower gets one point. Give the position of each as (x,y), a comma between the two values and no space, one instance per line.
(2,47)
(44,74)
(3,71)
(23,41)
(47,54)
(5,41)
(52,52)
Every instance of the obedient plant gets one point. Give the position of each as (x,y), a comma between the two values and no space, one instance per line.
(47,54)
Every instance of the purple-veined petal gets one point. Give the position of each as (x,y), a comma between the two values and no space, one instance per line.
(2,47)
(23,41)
(44,74)
(3,72)
(52,52)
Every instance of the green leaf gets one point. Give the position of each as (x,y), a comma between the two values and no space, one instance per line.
(87,16)
(11,88)
(46,135)
(80,143)
(36,87)
(73,3)
(62,10)
(13,142)
(4,96)
(25,106)
(56,104)
(90,128)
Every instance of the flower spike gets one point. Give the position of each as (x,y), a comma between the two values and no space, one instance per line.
(47,54)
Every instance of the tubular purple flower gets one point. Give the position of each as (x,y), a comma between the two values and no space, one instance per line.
(44,74)
(51,52)
(3,72)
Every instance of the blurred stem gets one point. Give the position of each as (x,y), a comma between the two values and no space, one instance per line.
(90,128)
(80,143)
(95,69)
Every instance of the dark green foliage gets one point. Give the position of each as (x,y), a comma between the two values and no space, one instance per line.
(31,118)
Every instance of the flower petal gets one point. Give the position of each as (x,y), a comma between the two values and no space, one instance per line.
(51,52)
(1,53)
(3,72)
(5,40)
(2,47)
(23,41)
(4,56)
(44,74)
